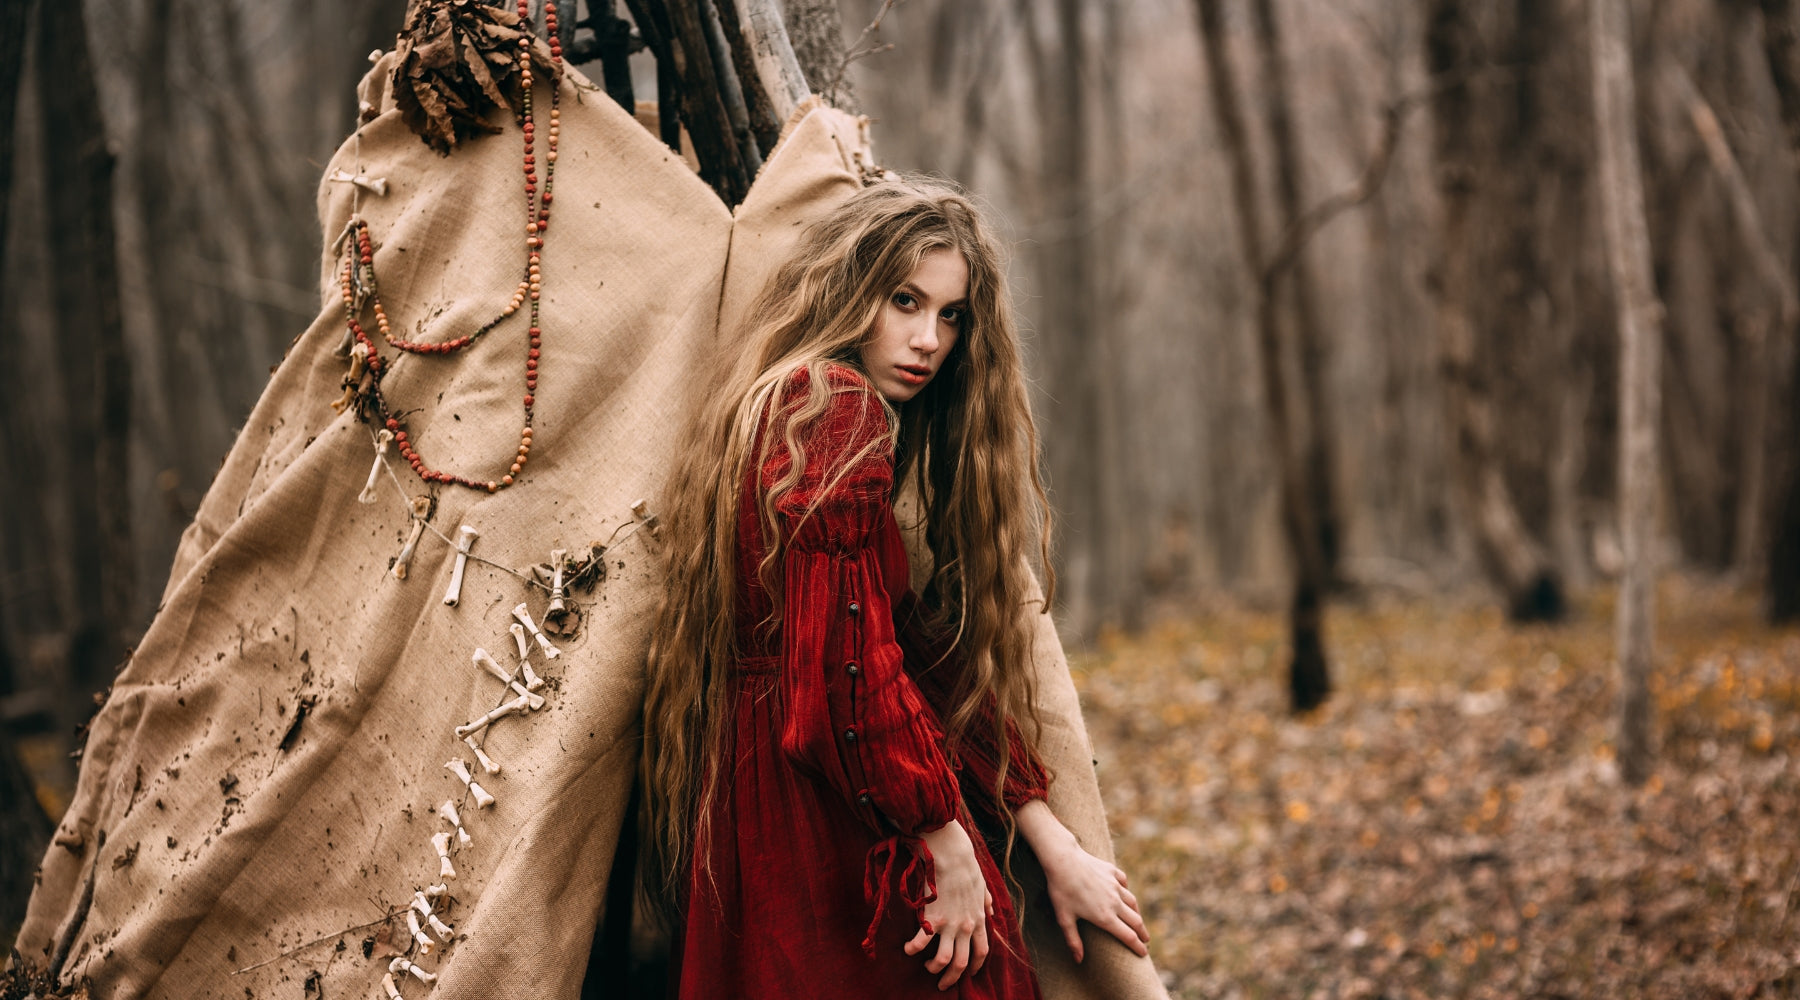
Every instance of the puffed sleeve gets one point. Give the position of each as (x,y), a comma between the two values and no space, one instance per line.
(934,666)
(850,713)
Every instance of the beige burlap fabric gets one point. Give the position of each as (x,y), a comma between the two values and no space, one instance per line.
(215,863)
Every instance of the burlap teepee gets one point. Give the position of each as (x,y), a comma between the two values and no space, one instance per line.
(261,790)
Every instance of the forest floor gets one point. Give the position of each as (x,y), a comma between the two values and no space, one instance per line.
(1451,823)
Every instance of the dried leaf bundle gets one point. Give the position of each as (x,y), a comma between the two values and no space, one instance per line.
(458,61)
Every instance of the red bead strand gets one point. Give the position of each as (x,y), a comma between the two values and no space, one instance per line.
(359,264)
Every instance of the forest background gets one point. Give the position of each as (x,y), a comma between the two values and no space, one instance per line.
(1319,313)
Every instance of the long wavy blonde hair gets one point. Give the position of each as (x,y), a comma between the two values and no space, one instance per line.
(966,447)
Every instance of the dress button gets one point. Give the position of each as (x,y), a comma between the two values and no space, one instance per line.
(852,669)
(855,608)
(863,799)
(849,736)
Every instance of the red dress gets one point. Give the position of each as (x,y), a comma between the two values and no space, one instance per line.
(817,878)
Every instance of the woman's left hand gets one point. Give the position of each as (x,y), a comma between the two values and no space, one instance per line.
(1082,887)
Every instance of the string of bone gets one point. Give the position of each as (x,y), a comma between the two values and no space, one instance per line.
(527,700)
(644,518)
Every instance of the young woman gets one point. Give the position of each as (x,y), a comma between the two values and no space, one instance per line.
(827,754)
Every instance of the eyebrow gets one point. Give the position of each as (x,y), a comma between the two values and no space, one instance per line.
(907,286)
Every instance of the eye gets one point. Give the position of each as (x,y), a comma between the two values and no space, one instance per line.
(952,315)
(905,300)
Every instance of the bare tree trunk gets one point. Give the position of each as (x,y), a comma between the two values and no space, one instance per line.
(1640,334)
(817,32)
(1308,675)
(1512,557)
(1781,39)
(94,368)
(1075,351)
(13,18)
(1297,285)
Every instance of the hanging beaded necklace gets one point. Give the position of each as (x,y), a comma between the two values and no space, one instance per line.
(359,278)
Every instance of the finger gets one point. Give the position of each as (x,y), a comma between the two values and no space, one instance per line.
(946,953)
(919,941)
(1117,928)
(978,952)
(1119,873)
(988,907)
(1072,935)
(1135,921)
(1129,899)
(957,965)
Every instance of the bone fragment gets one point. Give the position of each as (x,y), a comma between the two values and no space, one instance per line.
(461,770)
(400,964)
(519,704)
(448,811)
(434,891)
(441,842)
(387,984)
(532,681)
(465,541)
(438,927)
(524,616)
(532,701)
(651,521)
(376,185)
(382,438)
(558,559)
(359,360)
(487,763)
(421,507)
(418,933)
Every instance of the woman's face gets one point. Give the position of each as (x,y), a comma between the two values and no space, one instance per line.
(917,326)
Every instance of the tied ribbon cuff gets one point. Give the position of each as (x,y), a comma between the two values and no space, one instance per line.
(914,877)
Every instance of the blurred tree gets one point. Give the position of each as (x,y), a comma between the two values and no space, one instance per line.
(1079,376)
(1309,680)
(1781,39)
(1465,149)
(1640,359)
(1295,286)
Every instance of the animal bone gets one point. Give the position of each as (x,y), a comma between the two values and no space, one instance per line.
(524,617)
(441,842)
(382,438)
(359,359)
(412,924)
(465,541)
(400,964)
(387,983)
(461,770)
(558,560)
(438,927)
(448,811)
(378,185)
(651,521)
(482,659)
(487,763)
(441,929)
(421,508)
(434,891)
(532,681)
(519,704)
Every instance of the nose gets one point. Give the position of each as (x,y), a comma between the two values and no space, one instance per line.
(924,335)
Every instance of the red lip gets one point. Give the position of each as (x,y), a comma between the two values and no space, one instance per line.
(913,374)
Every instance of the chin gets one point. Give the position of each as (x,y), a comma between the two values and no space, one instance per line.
(897,392)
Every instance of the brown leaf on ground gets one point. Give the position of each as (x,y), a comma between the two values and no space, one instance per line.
(1452,823)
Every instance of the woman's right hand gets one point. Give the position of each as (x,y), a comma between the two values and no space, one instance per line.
(958,916)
